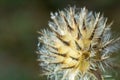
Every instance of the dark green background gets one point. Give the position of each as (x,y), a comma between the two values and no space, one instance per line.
(21,19)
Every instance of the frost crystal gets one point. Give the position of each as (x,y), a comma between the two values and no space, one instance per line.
(78,46)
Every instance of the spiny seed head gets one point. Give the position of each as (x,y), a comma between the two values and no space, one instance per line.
(78,46)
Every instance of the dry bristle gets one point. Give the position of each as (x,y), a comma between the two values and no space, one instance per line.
(77,47)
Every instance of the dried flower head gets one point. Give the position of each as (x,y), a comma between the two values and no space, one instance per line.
(78,46)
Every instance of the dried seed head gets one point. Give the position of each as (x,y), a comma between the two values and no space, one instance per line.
(78,46)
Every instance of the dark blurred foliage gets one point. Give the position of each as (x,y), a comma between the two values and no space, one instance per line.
(21,19)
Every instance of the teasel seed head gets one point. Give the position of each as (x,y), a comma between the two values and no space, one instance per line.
(78,46)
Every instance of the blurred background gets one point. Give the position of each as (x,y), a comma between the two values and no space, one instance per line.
(21,19)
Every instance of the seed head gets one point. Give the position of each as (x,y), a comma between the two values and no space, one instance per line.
(78,46)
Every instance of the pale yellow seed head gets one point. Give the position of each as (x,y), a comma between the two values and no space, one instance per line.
(77,47)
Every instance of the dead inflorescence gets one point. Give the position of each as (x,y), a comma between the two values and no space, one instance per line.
(78,46)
